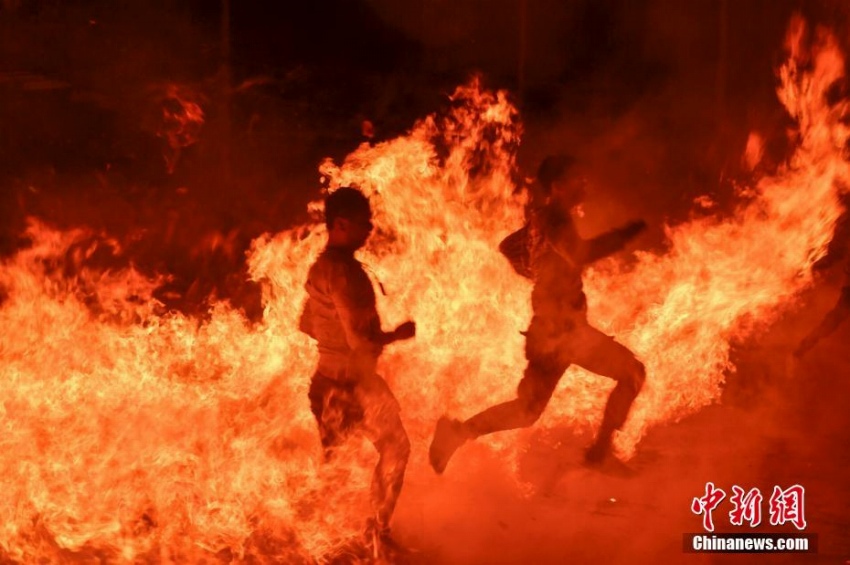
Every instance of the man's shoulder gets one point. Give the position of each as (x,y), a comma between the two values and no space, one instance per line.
(331,257)
(332,264)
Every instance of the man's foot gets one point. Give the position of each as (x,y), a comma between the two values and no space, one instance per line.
(382,547)
(600,457)
(448,436)
(596,453)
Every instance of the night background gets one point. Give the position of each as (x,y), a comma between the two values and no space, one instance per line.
(656,96)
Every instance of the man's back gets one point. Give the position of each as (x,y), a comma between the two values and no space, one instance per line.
(557,274)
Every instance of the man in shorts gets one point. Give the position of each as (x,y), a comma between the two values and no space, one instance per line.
(549,251)
(345,392)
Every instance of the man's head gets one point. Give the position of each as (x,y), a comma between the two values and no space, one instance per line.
(348,217)
(559,178)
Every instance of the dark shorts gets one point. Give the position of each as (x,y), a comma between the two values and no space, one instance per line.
(342,408)
(335,407)
(551,346)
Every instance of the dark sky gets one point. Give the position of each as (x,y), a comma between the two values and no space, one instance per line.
(677,83)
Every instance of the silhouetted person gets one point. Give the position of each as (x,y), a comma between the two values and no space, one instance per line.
(345,393)
(549,250)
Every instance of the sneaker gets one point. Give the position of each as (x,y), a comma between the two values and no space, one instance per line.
(448,436)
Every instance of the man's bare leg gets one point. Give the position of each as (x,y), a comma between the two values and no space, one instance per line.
(602,355)
(616,411)
(394,451)
(533,394)
(383,426)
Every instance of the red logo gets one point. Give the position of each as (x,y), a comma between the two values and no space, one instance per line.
(785,506)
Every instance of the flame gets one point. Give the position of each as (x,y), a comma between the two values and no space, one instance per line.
(182,119)
(724,279)
(132,435)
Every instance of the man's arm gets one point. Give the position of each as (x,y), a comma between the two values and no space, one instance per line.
(610,242)
(579,252)
(354,301)
(515,248)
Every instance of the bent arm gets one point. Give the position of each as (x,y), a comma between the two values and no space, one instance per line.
(603,245)
(354,301)
(515,248)
(585,251)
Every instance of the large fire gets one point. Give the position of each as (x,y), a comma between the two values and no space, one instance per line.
(131,434)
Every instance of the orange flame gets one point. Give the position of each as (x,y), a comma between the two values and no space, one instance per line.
(132,435)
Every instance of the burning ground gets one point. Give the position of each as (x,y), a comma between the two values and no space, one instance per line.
(134,432)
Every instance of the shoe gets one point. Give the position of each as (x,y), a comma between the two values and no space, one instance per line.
(448,436)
